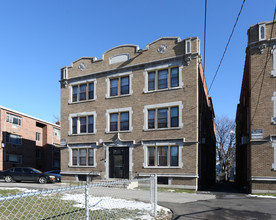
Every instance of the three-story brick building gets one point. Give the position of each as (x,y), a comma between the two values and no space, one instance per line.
(256,112)
(138,112)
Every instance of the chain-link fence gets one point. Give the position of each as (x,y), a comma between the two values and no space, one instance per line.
(126,199)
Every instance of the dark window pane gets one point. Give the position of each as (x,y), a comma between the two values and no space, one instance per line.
(90,157)
(75,94)
(162,79)
(124,85)
(114,122)
(163,118)
(113,87)
(174,117)
(162,156)
(151,81)
(91,91)
(174,156)
(82,156)
(75,157)
(82,124)
(151,119)
(174,77)
(74,125)
(151,156)
(124,121)
(82,92)
(90,124)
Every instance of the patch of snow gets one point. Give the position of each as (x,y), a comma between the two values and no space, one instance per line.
(262,196)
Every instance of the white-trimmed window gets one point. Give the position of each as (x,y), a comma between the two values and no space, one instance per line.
(14,139)
(82,123)
(119,120)
(274,108)
(13,119)
(273,52)
(82,155)
(188,46)
(119,85)
(37,136)
(83,91)
(163,154)
(163,77)
(262,35)
(163,116)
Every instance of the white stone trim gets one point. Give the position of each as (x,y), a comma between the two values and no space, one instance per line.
(188,46)
(79,115)
(260,32)
(119,58)
(163,66)
(274,155)
(273,119)
(130,74)
(180,144)
(273,52)
(118,110)
(81,146)
(163,105)
(79,83)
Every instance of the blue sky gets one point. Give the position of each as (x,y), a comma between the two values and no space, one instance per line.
(38,37)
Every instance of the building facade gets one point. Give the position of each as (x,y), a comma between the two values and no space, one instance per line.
(138,112)
(256,112)
(28,142)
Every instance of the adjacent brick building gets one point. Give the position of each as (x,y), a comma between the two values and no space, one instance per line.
(27,141)
(256,112)
(138,112)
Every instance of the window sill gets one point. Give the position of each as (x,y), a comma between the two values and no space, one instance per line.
(116,132)
(84,101)
(162,167)
(81,134)
(162,90)
(76,166)
(162,129)
(118,96)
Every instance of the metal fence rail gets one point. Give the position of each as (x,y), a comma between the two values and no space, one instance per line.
(105,200)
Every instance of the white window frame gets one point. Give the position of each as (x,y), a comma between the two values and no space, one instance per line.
(273,119)
(273,52)
(260,32)
(110,111)
(10,118)
(82,114)
(81,146)
(17,137)
(274,163)
(163,105)
(147,144)
(70,101)
(188,46)
(160,67)
(38,136)
(118,75)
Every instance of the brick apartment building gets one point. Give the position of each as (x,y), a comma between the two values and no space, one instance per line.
(27,141)
(138,112)
(256,112)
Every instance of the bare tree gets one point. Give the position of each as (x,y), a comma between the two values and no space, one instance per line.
(226,144)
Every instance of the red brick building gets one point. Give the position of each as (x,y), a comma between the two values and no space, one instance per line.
(28,141)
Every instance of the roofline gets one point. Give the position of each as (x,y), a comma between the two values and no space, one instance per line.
(23,114)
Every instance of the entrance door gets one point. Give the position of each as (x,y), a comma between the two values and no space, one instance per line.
(119,162)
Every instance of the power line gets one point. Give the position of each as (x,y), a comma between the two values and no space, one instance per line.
(227,45)
(263,70)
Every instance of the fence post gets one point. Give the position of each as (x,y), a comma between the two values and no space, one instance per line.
(155,195)
(86,202)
